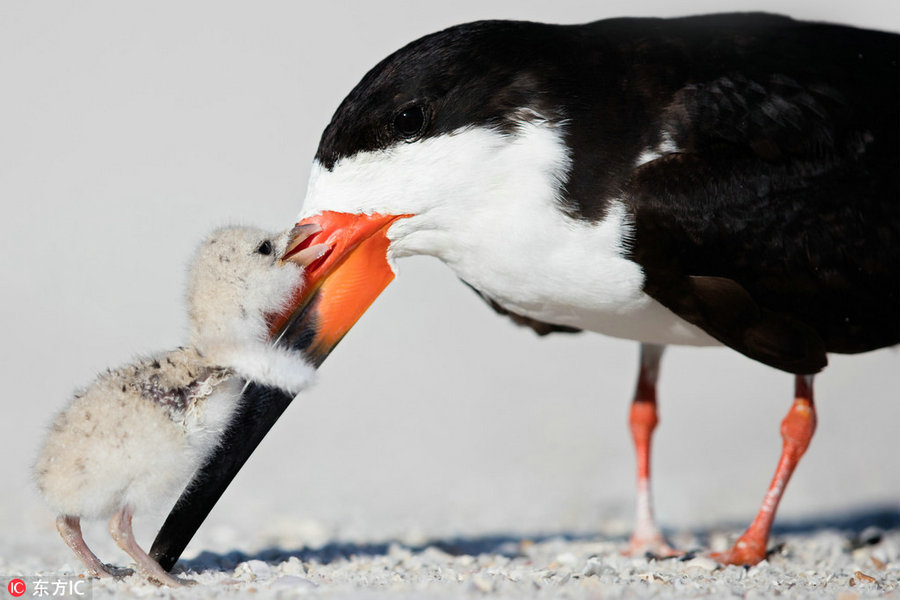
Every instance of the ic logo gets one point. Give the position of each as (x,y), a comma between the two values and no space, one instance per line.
(16,587)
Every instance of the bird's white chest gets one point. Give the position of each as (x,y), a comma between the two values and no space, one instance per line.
(555,269)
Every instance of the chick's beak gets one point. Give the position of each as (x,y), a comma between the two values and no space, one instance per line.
(345,256)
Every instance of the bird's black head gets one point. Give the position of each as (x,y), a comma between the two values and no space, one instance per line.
(472,118)
(487,73)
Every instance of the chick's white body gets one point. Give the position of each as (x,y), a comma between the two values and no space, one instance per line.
(132,440)
(136,435)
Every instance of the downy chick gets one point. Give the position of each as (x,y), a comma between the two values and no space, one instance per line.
(135,436)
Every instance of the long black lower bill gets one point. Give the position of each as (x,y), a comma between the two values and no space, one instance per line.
(259,409)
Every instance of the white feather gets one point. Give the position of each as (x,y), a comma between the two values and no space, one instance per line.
(273,366)
(665,146)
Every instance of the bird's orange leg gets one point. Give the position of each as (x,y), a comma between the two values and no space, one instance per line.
(796,430)
(643,420)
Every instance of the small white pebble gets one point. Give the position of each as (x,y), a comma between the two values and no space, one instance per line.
(482,584)
(466,560)
(252,570)
(293,566)
(435,554)
(595,566)
(701,563)
(293,581)
(567,558)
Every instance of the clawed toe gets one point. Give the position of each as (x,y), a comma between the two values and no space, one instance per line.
(119,572)
(101,573)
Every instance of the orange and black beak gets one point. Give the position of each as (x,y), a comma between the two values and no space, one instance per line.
(340,286)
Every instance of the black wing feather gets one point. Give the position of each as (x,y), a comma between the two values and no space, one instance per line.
(776,225)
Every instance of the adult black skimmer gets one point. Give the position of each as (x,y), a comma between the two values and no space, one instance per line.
(723,179)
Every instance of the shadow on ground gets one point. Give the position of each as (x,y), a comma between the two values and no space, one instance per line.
(861,527)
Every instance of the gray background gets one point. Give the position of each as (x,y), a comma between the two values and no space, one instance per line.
(128,130)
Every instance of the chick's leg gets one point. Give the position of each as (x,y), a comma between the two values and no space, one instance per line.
(120,529)
(69,528)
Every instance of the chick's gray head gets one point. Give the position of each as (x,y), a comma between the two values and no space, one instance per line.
(235,280)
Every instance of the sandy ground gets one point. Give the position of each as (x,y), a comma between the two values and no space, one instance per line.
(846,559)
(444,453)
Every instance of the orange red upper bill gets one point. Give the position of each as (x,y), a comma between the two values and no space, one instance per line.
(340,285)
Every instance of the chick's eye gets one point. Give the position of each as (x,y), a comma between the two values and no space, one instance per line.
(410,121)
(265,248)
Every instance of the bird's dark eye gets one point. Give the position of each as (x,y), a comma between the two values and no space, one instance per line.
(410,121)
(265,248)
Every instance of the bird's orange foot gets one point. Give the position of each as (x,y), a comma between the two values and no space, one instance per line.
(745,552)
(654,544)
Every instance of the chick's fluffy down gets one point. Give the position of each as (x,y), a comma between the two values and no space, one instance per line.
(109,448)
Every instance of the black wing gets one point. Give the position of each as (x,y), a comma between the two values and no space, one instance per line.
(775,223)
